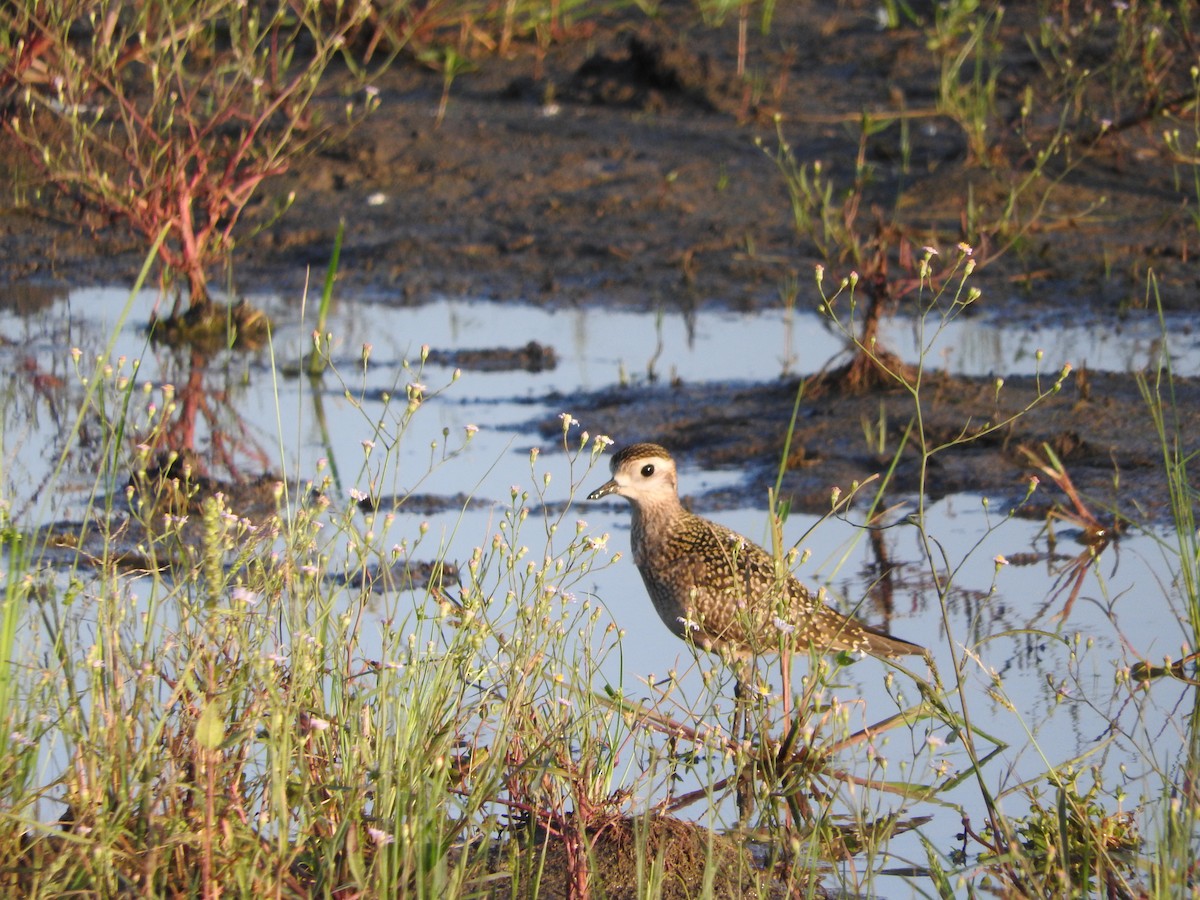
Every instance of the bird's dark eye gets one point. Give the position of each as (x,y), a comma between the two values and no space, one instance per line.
(647,470)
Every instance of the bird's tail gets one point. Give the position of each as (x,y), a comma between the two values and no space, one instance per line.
(880,643)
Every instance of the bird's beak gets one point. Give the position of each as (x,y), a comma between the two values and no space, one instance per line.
(609,487)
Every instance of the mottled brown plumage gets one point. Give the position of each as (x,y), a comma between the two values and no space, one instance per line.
(712,586)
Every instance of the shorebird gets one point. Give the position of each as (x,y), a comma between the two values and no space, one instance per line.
(715,588)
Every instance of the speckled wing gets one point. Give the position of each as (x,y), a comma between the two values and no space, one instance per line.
(727,588)
(725,593)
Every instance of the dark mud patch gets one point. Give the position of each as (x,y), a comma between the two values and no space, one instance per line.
(425,504)
(533,357)
(654,73)
(1098,424)
(621,166)
(160,516)
(402,575)
(168,507)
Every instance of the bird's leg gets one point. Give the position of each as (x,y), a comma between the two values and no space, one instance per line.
(739,707)
(741,729)
(785,676)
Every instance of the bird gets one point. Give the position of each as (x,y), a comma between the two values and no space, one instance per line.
(713,587)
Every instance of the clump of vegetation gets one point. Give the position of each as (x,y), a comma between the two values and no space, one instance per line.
(168,118)
(1075,845)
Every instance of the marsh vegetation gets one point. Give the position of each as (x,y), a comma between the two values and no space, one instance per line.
(239,658)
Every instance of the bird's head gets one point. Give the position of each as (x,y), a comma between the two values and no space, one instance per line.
(642,474)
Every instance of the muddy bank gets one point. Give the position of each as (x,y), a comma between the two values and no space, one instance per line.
(623,167)
(1097,424)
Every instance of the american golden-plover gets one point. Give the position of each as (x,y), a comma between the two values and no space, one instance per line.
(713,587)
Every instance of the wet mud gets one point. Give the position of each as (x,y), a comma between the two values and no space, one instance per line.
(533,357)
(1097,425)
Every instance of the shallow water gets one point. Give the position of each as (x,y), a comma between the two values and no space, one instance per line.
(1059,675)
(596,349)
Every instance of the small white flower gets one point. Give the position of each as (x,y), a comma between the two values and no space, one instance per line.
(244,595)
(785,627)
(688,624)
(380,837)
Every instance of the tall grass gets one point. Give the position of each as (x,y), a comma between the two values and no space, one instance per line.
(1081,840)
(1176,812)
(204,696)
